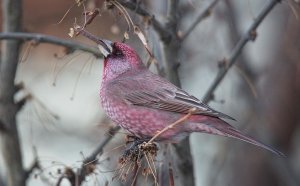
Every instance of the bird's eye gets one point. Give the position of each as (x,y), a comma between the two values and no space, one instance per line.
(118,53)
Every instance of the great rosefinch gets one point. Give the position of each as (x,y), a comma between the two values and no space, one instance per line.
(144,103)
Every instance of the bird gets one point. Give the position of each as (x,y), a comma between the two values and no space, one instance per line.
(144,103)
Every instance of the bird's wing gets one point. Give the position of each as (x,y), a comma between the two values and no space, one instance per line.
(155,92)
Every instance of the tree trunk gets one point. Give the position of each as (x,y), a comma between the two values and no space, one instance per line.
(8,109)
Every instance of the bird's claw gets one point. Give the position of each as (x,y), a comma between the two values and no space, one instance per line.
(138,149)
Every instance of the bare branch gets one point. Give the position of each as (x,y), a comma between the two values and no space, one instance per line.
(41,38)
(250,35)
(171,175)
(89,163)
(172,10)
(234,34)
(34,165)
(163,32)
(70,175)
(2,127)
(179,121)
(112,131)
(171,62)
(171,49)
(202,16)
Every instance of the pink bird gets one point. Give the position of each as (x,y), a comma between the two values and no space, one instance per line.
(144,103)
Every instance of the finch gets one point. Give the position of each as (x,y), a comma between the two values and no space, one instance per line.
(144,103)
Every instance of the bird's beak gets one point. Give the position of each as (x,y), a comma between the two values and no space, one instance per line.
(105,46)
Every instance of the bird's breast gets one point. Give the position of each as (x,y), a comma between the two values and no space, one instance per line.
(141,121)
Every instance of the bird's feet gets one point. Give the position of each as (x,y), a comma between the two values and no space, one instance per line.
(133,139)
(137,149)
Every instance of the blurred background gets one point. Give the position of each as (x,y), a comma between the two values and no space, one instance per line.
(64,121)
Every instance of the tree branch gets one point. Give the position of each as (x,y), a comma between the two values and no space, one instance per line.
(231,18)
(166,37)
(41,38)
(202,16)
(172,14)
(170,126)
(250,35)
(2,127)
(112,131)
(162,31)
(34,165)
(91,161)
(171,61)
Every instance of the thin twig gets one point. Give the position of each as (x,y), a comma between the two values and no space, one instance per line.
(124,12)
(179,121)
(137,167)
(29,96)
(130,23)
(248,81)
(65,15)
(202,16)
(34,165)
(152,172)
(112,131)
(172,10)
(90,16)
(41,38)
(60,179)
(171,62)
(243,62)
(171,175)
(163,32)
(250,35)
(92,158)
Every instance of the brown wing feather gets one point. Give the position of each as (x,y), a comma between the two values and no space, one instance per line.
(161,99)
(150,90)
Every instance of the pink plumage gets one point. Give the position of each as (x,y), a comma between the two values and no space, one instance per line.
(144,103)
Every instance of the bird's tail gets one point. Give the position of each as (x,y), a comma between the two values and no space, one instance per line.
(219,127)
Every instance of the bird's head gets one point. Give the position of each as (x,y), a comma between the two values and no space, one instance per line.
(119,58)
